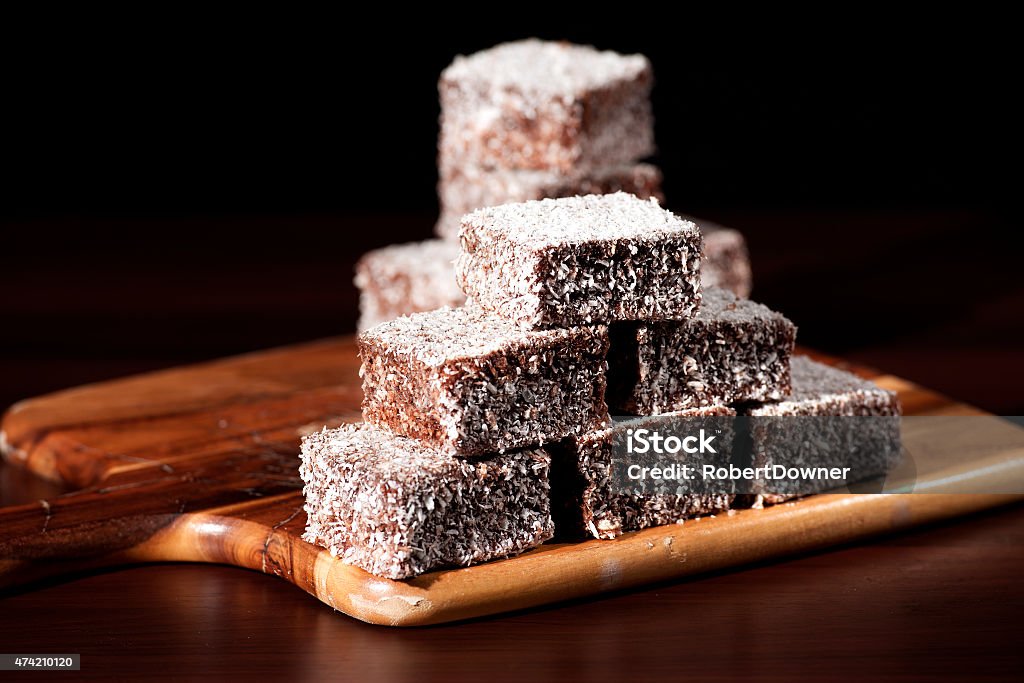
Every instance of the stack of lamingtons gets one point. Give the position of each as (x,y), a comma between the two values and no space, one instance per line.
(529,120)
(576,305)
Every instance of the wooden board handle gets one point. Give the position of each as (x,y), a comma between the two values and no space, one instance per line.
(82,530)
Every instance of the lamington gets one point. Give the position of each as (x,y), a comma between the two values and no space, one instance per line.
(580,261)
(831,418)
(406,278)
(819,389)
(726,261)
(463,189)
(734,350)
(533,104)
(397,508)
(465,382)
(594,496)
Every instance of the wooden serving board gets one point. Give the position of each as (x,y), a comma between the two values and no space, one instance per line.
(200,464)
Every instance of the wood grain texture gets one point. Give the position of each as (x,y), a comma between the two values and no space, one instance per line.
(200,464)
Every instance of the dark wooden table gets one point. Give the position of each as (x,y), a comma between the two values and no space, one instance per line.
(938,603)
(898,290)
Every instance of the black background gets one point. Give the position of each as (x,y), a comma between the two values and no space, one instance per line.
(178,189)
(167,123)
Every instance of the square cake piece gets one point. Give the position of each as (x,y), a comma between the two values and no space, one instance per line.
(466,382)
(593,495)
(580,261)
(464,189)
(406,278)
(726,261)
(734,350)
(819,389)
(830,419)
(545,105)
(397,508)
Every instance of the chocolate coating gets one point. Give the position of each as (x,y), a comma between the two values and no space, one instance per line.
(465,382)
(588,499)
(871,447)
(534,104)
(397,508)
(734,350)
(463,189)
(406,278)
(580,261)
